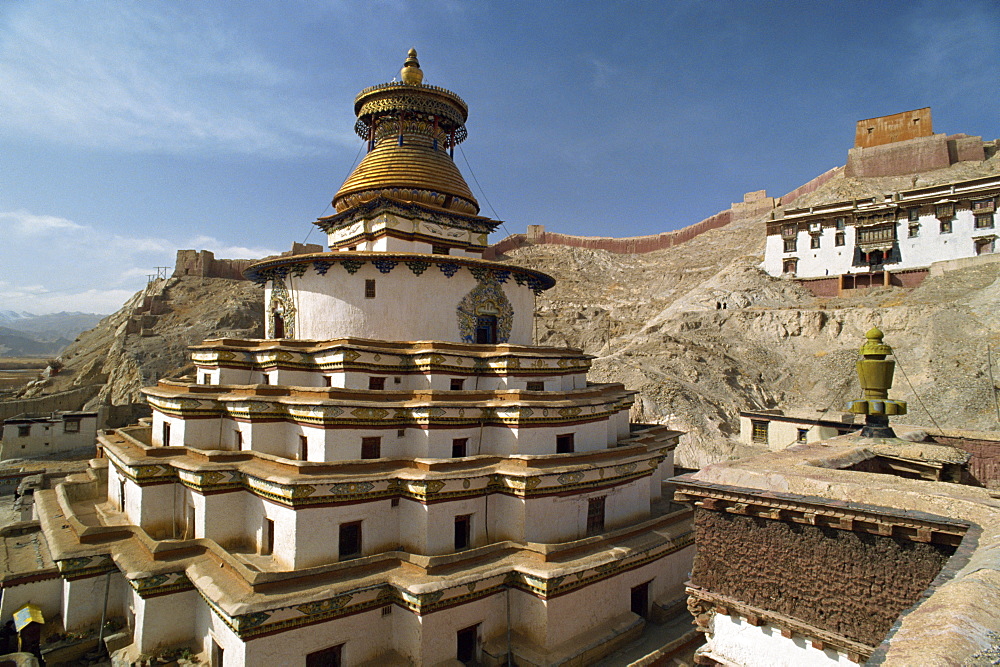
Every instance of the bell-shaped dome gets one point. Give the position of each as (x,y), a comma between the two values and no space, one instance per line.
(411,128)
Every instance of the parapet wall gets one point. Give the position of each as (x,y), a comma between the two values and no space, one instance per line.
(754,204)
(912,156)
(203,264)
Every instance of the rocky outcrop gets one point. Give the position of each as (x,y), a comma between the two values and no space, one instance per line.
(702,332)
(148,338)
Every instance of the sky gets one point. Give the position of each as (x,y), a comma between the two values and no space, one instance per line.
(129,130)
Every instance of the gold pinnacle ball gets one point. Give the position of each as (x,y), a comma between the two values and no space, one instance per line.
(411,73)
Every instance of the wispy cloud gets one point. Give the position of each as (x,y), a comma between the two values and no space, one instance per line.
(90,269)
(149,77)
(954,52)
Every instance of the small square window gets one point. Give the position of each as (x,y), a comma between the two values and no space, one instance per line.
(946,226)
(328,381)
(841,223)
(913,214)
(400,432)
(394,502)
(801,434)
(371,448)
(397,380)
(71,426)
(565,444)
(759,431)
(459,448)
(839,239)
(536,386)
(463,531)
(370,288)
(790,245)
(265,379)
(23,430)
(457,384)
(814,242)
(376,383)
(914,231)
(350,540)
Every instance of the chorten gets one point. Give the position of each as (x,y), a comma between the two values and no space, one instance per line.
(396,474)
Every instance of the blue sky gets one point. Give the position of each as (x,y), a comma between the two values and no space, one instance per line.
(131,129)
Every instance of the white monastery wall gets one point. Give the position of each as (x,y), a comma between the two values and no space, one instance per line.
(931,244)
(164,620)
(734,641)
(314,532)
(83,600)
(46,594)
(405,307)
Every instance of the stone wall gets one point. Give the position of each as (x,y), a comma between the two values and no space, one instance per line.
(74,399)
(202,263)
(984,466)
(913,156)
(853,584)
(891,129)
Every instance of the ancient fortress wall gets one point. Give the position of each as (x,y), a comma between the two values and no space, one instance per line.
(754,204)
(203,264)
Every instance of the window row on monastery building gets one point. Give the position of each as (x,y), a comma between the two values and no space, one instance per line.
(908,230)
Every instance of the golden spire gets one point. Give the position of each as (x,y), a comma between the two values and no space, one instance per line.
(411,73)
(875,377)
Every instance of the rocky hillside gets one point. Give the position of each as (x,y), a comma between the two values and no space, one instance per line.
(698,329)
(703,333)
(148,338)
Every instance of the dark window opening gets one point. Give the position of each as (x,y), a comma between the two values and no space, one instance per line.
(595,516)
(468,644)
(841,223)
(166,434)
(839,239)
(463,531)
(370,289)
(376,383)
(913,215)
(350,540)
(71,426)
(328,380)
(238,436)
(328,657)
(371,448)
(790,245)
(536,386)
(279,325)
(441,250)
(267,539)
(486,329)
(303,448)
(459,447)
(265,379)
(24,430)
(802,434)
(565,444)
(640,600)
(394,502)
(457,384)
(814,242)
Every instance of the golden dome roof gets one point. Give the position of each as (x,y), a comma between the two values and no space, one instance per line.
(410,128)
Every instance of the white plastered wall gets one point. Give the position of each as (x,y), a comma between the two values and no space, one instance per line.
(334,305)
(734,641)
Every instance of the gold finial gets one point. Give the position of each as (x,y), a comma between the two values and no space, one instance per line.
(875,377)
(411,73)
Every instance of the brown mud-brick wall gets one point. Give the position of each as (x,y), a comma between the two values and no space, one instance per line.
(853,584)
(203,264)
(897,127)
(984,466)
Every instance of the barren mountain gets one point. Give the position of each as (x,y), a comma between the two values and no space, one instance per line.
(698,329)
